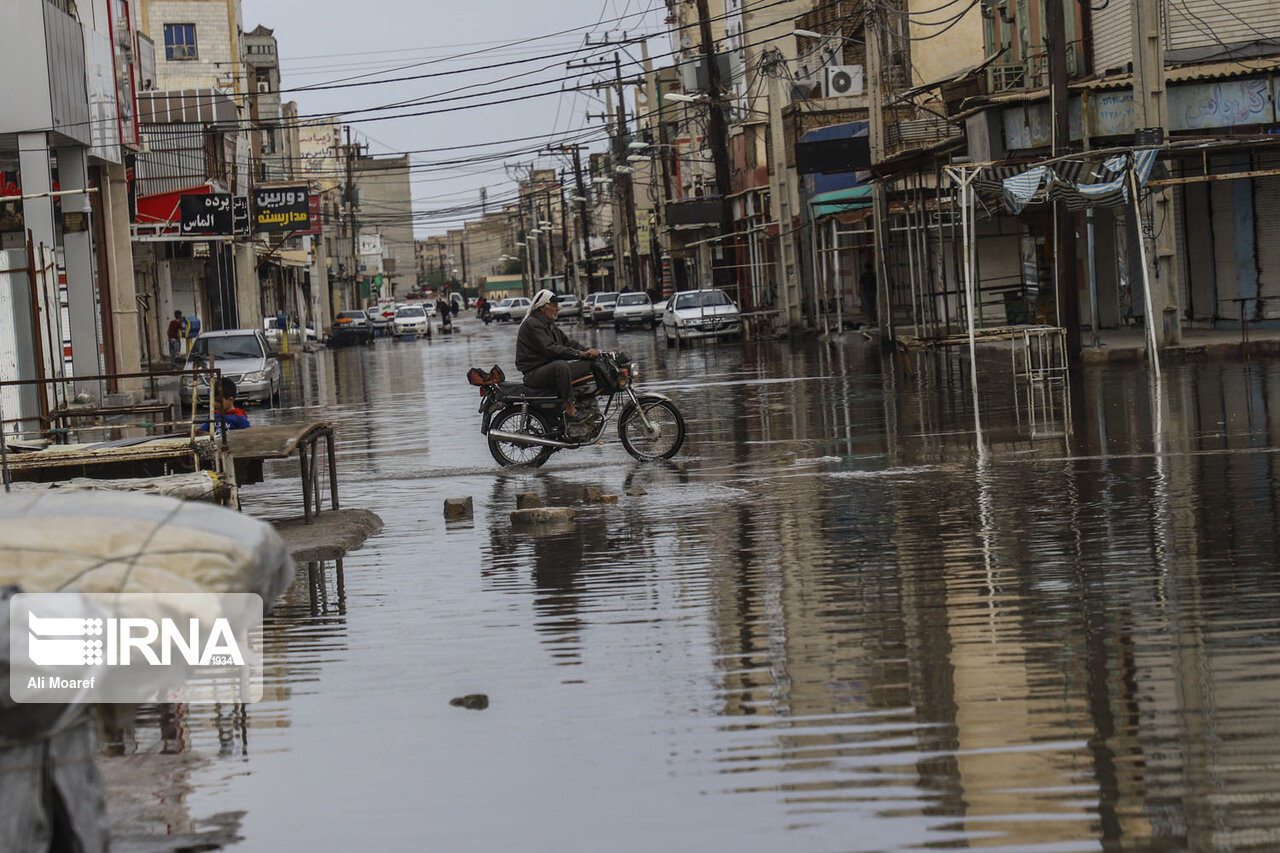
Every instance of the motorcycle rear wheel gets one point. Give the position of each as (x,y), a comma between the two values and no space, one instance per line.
(508,453)
(666,437)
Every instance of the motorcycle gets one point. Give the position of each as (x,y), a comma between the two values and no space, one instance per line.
(525,426)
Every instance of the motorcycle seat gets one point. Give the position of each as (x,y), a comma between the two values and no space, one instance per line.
(520,391)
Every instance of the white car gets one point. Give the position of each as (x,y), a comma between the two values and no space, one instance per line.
(430,308)
(518,309)
(243,357)
(381,315)
(633,309)
(500,309)
(411,320)
(569,306)
(692,314)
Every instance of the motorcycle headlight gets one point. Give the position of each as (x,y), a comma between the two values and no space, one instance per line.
(634,369)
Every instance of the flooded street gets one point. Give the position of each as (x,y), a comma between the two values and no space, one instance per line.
(835,622)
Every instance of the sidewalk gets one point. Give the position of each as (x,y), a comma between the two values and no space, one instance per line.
(1129,346)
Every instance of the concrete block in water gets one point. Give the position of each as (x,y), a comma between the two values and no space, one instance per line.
(636,492)
(528,500)
(540,516)
(596,495)
(458,509)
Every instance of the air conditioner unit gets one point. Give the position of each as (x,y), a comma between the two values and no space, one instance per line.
(841,80)
(264,86)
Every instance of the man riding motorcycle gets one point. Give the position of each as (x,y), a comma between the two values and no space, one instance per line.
(548,357)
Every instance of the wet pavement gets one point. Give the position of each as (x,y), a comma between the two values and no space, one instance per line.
(838,621)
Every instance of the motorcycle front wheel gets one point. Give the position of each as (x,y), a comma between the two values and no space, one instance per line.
(509,453)
(663,436)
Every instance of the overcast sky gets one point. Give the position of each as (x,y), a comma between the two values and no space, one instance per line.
(339,41)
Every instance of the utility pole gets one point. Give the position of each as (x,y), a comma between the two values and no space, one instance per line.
(525,267)
(879,199)
(535,251)
(566,260)
(351,220)
(623,180)
(584,215)
(1066,280)
(784,198)
(624,225)
(1151,113)
(659,245)
(718,133)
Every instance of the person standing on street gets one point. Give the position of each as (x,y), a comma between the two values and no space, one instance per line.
(192,330)
(867,284)
(176,333)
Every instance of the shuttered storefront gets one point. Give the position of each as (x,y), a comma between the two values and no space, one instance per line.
(1197,254)
(1266,205)
(1112,36)
(1224,239)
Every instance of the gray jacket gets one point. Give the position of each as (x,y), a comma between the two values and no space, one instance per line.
(540,341)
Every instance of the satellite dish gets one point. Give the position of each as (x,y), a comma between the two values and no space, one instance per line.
(686,42)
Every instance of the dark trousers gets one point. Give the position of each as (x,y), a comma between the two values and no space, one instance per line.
(559,375)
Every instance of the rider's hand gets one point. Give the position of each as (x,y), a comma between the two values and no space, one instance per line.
(591,353)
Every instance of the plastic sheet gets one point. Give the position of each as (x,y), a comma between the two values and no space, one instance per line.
(124,542)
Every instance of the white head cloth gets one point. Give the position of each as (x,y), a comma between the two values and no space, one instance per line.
(541,298)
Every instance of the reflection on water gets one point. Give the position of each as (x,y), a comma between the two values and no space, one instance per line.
(831,624)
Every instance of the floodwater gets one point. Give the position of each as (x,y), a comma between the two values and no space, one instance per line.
(844,623)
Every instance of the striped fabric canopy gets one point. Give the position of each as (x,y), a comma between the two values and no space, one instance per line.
(1079,183)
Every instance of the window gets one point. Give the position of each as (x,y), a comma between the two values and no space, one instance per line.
(179,41)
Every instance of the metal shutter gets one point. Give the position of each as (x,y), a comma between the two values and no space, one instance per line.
(1266,206)
(1112,36)
(1221,211)
(1197,250)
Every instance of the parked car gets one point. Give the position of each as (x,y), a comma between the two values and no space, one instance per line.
(692,314)
(569,306)
(633,310)
(351,327)
(430,308)
(244,357)
(382,315)
(518,309)
(271,331)
(411,320)
(601,310)
(498,310)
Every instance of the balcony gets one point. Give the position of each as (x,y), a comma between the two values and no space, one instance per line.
(924,132)
(44,69)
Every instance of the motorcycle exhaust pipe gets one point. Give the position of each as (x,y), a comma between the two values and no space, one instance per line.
(520,438)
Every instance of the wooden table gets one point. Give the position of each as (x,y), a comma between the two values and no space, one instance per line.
(250,447)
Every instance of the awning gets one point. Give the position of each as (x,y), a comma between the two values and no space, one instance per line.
(162,208)
(841,201)
(1191,73)
(1079,183)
